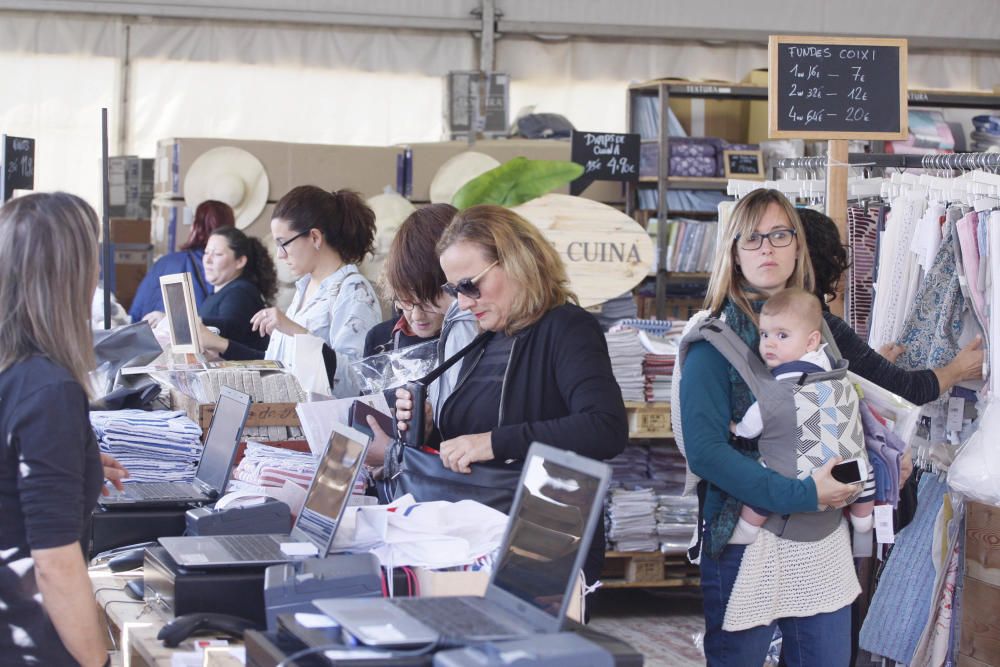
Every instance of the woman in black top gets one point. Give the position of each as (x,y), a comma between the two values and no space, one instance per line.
(243,275)
(543,376)
(50,466)
(829,259)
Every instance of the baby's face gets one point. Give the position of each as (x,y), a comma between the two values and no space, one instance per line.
(785,337)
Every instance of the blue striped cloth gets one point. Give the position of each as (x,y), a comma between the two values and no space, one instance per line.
(901,606)
(156,446)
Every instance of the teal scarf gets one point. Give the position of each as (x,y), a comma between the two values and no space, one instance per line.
(722,527)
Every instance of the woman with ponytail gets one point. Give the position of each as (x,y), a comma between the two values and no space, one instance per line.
(322,236)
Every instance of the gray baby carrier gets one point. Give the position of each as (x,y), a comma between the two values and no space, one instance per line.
(818,412)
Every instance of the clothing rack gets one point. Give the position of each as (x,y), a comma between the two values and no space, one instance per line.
(953,161)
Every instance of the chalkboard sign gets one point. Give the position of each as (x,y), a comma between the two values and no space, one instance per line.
(18,162)
(836,88)
(743,164)
(605,156)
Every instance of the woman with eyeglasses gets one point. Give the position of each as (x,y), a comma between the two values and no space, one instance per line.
(763,252)
(544,375)
(412,279)
(322,236)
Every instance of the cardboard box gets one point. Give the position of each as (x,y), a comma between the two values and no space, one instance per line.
(261,414)
(723,119)
(367,169)
(428,158)
(130,230)
(132,262)
(757,115)
(434,583)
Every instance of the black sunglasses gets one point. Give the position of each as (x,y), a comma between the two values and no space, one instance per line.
(467,286)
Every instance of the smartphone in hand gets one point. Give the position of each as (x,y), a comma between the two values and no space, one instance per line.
(358,418)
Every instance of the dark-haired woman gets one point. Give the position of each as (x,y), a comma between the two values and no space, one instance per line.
(148,301)
(242,273)
(322,236)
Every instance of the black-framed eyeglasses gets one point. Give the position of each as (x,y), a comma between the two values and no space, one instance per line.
(467,286)
(283,245)
(408,307)
(778,238)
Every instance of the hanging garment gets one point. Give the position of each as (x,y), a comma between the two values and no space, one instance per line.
(900,608)
(862,232)
(897,269)
(932,329)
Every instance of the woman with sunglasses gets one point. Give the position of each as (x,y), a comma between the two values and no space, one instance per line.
(322,236)
(544,375)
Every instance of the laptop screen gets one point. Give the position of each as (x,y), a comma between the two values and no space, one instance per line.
(331,488)
(223,437)
(545,533)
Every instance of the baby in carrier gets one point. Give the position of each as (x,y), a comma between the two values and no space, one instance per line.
(791,345)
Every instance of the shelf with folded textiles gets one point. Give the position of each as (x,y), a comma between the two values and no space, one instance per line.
(648,569)
(648,421)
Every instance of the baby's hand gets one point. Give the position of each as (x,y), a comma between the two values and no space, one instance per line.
(732,427)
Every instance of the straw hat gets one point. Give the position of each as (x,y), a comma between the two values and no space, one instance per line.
(456,172)
(230,175)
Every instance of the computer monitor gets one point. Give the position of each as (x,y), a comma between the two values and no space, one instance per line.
(181,313)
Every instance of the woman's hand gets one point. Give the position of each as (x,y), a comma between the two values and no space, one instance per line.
(891,351)
(967,365)
(829,491)
(154,317)
(380,442)
(404,411)
(458,453)
(269,320)
(114,472)
(212,341)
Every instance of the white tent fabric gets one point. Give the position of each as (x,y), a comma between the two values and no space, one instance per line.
(326,84)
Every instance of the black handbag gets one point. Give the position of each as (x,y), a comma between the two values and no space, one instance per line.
(411,470)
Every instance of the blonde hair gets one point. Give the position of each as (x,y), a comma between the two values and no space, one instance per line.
(798,302)
(527,257)
(48,261)
(727,280)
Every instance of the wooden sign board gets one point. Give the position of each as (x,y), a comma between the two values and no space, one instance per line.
(18,164)
(836,88)
(605,156)
(606,252)
(743,164)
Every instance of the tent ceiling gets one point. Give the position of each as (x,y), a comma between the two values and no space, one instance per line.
(928,24)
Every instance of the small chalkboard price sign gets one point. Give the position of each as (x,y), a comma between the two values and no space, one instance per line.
(837,88)
(18,162)
(743,164)
(605,156)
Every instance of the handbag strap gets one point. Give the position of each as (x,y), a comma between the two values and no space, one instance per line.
(455,358)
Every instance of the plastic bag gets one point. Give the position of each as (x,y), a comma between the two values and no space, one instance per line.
(975,473)
(393,369)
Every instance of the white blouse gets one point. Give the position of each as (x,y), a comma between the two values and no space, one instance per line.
(340,313)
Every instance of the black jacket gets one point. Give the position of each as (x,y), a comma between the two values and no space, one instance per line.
(558,390)
(231,308)
(381,338)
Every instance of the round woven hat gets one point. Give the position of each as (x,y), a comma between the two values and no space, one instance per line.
(230,175)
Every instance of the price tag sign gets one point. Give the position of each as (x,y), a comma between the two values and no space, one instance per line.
(837,88)
(884,532)
(605,156)
(18,163)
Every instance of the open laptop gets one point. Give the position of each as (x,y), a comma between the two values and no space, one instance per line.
(216,462)
(314,528)
(559,501)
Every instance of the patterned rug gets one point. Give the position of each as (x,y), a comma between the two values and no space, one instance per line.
(665,626)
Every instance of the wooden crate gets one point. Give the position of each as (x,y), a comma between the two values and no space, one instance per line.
(648,420)
(261,414)
(647,569)
(980,627)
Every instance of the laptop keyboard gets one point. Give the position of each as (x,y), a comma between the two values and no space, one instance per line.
(251,547)
(454,617)
(162,491)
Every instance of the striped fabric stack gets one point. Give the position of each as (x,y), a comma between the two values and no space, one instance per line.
(154,446)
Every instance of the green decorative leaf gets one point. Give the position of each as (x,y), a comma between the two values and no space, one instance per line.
(516,182)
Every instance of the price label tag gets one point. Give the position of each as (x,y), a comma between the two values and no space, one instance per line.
(956,413)
(884,532)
